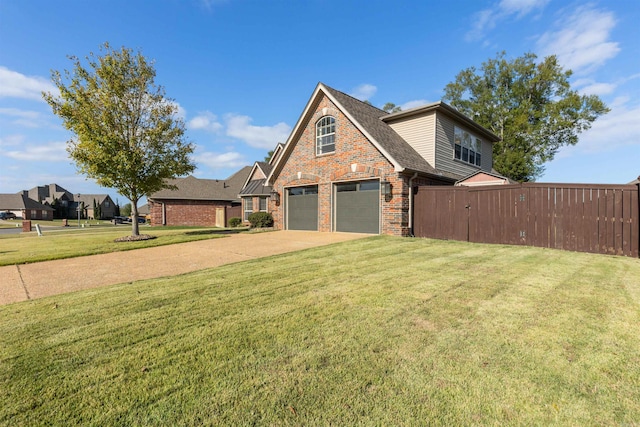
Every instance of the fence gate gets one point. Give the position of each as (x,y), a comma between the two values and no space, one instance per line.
(585,218)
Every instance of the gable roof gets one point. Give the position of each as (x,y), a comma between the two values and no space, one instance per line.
(20,201)
(49,193)
(370,121)
(276,153)
(256,187)
(448,110)
(264,167)
(193,188)
(88,199)
(493,174)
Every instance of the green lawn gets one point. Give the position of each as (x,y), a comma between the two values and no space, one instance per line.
(379,331)
(29,247)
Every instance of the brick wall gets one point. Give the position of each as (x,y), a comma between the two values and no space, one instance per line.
(303,167)
(185,212)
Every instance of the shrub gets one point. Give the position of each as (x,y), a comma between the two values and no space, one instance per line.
(235,222)
(261,219)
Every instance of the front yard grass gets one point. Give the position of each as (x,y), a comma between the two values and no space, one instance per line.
(379,331)
(29,247)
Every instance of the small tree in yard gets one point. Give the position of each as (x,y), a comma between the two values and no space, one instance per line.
(125,210)
(127,135)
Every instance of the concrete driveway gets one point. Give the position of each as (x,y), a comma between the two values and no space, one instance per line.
(42,279)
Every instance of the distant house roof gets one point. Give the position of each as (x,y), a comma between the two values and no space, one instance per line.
(484,178)
(144,209)
(88,199)
(192,188)
(20,201)
(635,181)
(49,193)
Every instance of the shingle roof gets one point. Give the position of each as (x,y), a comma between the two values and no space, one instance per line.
(266,167)
(370,120)
(20,201)
(192,188)
(369,117)
(88,199)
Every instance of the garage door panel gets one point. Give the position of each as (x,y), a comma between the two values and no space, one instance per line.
(358,207)
(302,209)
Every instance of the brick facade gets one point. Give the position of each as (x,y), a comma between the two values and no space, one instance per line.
(355,158)
(200,213)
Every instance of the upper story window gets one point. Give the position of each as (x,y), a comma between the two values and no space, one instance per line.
(325,135)
(467,147)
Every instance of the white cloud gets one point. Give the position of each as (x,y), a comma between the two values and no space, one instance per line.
(266,137)
(619,128)
(31,119)
(50,152)
(221,161)
(520,7)
(581,39)
(487,19)
(12,140)
(364,91)
(595,88)
(205,121)
(16,85)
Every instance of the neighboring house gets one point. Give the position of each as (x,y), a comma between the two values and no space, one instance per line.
(481,177)
(197,202)
(348,166)
(143,211)
(104,203)
(255,193)
(65,203)
(24,207)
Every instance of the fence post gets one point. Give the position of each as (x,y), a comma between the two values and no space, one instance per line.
(637,218)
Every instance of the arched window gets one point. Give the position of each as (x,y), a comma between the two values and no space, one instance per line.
(325,135)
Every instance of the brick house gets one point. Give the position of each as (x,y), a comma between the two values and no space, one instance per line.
(24,207)
(66,204)
(198,202)
(255,193)
(349,166)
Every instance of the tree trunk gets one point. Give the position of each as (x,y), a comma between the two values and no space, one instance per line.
(134,218)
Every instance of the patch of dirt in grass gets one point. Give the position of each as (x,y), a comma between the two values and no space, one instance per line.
(134,238)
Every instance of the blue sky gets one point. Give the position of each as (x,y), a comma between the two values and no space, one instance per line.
(242,70)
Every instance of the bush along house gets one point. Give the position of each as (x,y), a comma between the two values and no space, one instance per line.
(348,166)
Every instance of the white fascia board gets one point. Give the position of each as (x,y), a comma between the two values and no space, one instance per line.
(294,132)
(253,169)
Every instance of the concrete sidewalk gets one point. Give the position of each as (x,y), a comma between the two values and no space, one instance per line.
(31,281)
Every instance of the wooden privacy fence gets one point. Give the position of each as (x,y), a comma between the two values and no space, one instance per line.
(231,212)
(586,218)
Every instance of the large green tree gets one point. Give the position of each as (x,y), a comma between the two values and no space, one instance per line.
(529,104)
(127,134)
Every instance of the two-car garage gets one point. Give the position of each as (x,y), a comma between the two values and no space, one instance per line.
(355,207)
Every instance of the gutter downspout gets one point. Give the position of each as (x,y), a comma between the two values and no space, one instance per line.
(164,214)
(415,175)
